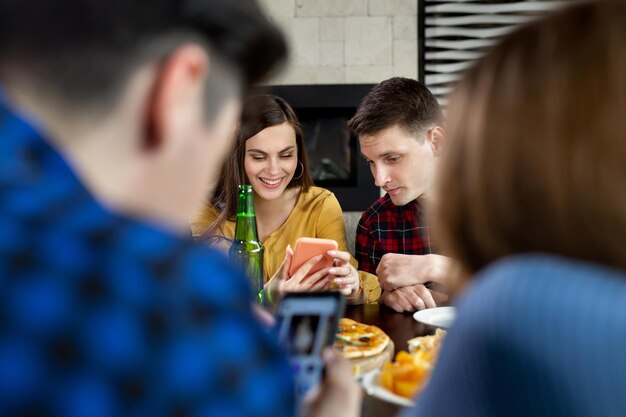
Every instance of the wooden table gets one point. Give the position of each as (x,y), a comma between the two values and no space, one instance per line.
(400,327)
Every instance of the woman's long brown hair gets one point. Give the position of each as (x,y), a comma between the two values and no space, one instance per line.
(536,156)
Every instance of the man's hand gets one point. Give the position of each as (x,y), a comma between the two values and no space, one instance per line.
(339,395)
(412,298)
(395,270)
(263,316)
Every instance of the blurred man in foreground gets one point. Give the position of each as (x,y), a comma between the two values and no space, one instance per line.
(114,117)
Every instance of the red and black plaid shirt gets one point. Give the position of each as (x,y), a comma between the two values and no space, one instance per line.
(387,228)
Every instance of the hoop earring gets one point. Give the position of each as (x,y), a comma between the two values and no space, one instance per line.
(301,172)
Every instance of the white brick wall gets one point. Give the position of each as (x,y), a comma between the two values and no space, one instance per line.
(332,29)
(326,8)
(279,7)
(404,61)
(392,7)
(369,41)
(304,39)
(405,28)
(331,53)
(368,74)
(346,41)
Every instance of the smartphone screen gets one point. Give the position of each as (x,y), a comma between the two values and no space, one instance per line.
(307,323)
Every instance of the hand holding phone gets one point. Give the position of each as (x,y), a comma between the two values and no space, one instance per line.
(308,247)
(307,322)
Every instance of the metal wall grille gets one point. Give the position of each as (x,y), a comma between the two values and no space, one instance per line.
(453,33)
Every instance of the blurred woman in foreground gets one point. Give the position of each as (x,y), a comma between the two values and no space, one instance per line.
(533,204)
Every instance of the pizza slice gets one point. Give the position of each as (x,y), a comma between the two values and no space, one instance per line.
(359,340)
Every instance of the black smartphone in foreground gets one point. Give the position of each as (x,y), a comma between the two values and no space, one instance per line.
(307,323)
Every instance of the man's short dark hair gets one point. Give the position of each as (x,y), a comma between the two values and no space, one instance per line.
(81,52)
(396,101)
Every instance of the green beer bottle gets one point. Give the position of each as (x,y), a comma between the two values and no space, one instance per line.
(246,249)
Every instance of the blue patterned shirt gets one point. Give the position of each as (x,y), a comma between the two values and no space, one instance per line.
(102,315)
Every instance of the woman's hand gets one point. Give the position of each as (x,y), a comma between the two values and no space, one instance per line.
(300,281)
(346,276)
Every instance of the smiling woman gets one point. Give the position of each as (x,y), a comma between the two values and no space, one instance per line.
(271,156)
(271,162)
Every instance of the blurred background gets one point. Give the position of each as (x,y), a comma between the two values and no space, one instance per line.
(341,48)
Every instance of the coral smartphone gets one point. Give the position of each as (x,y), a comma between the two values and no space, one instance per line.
(308,247)
(307,322)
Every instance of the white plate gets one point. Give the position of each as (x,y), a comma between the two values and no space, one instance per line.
(438,317)
(373,388)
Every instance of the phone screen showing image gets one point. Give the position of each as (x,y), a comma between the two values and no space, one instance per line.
(307,323)
(302,332)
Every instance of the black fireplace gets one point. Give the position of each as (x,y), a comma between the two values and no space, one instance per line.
(336,163)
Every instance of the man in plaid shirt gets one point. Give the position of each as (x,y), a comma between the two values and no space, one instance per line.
(398,125)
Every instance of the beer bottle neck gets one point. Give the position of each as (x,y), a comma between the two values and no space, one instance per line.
(245,228)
